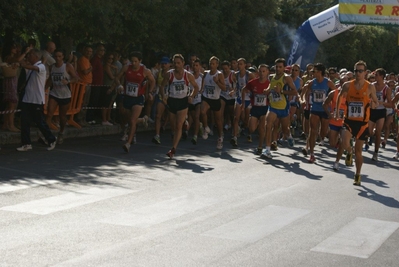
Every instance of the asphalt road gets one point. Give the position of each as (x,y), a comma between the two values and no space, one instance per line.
(87,203)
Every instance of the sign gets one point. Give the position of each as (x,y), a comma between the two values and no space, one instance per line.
(369,12)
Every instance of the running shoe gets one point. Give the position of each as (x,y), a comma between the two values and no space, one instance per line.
(134,139)
(312,159)
(201,129)
(357,179)
(184,135)
(60,138)
(396,155)
(266,154)
(258,151)
(124,137)
(156,140)
(375,156)
(321,143)
(348,159)
(24,148)
(194,140)
(126,147)
(52,145)
(383,143)
(171,153)
(145,121)
(211,133)
(249,138)
(336,166)
(220,143)
(366,147)
(291,142)
(273,146)
(304,151)
(233,142)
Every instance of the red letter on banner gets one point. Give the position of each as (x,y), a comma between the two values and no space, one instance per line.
(378,10)
(395,10)
(362,9)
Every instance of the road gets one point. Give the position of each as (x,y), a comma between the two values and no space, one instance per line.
(87,203)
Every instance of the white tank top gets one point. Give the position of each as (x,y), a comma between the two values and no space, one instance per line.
(228,81)
(211,89)
(197,98)
(178,88)
(60,90)
(242,81)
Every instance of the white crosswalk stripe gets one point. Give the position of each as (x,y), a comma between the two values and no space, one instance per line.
(359,238)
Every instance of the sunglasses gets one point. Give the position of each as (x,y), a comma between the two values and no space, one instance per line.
(360,71)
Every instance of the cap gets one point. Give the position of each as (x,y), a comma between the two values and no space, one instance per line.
(341,71)
(251,69)
(288,68)
(165,60)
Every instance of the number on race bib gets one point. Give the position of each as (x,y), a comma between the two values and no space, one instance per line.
(132,89)
(260,100)
(318,96)
(355,110)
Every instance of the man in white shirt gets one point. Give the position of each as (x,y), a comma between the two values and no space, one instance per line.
(33,102)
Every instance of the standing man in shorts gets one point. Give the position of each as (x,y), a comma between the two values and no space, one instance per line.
(212,85)
(358,93)
(179,96)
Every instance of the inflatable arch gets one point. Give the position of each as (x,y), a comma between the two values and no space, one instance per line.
(312,32)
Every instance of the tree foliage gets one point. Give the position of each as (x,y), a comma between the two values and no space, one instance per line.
(257,30)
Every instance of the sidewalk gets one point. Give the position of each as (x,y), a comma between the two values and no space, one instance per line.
(7,137)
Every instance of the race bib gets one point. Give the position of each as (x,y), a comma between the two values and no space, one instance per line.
(260,100)
(179,88)
(132,89)
(210,90)
(276,97)
(355,110)
(380,96)
(319,96)
(341,113)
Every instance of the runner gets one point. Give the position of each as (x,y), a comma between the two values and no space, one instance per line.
(336,124)
(243,76)
(358,93)
(161,108)
(394,102)
(256,87)
(135,91)
(228,96)
(278,105)
(212,85)
(179,96)
(318,90)
(377,114)
(195,107)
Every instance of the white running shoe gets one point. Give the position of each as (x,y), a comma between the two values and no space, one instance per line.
(336,166)
(396,156)
(25,148)
(267,154)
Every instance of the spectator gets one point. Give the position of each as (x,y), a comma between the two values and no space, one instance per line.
(97,89)
(85,75)
(108,93)
(33,101)
(10,82)
(48,59)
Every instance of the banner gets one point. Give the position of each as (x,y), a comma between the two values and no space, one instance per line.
(369,12)
(312,32)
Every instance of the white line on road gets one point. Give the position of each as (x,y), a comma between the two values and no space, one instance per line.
(359,238)
(19,184)
(160,212)
(67,201)
(258,224)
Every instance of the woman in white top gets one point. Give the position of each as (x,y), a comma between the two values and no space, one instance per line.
(61,76)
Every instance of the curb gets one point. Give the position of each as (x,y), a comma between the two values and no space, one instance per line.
(70,132)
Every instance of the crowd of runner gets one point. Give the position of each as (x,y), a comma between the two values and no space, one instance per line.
(353,109)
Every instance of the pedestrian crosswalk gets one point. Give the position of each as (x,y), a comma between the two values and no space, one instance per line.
(360,237)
